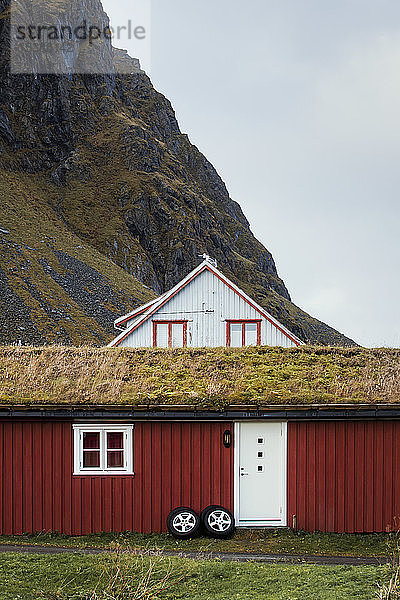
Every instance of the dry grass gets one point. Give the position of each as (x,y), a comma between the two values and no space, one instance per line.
(203,378)
(390,589)
(137,578)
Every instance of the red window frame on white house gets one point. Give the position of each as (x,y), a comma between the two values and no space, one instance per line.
(170,324)
(243,322)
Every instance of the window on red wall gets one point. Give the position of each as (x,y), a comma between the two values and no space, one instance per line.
(243,333)
(103,449)
(170,334)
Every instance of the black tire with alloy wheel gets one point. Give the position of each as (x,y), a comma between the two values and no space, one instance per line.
(218,521)
(183,522)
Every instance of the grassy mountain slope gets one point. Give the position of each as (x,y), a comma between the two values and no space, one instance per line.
(54,285)
(102,195)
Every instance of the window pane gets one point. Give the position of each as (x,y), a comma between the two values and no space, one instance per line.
(236,335)
(91,458)
(115,459)
(251,334)
(91,440)
(115,440)
(177,335)
(162,335)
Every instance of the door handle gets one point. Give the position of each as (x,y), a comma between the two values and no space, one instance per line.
(243,474)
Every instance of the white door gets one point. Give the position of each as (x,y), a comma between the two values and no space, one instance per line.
(260,474)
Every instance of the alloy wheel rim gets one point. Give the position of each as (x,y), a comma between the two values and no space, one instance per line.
(219,520)
(184,522)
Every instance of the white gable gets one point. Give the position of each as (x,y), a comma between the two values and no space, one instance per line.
(204,303)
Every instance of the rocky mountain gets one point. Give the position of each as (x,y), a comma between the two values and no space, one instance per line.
(104,202)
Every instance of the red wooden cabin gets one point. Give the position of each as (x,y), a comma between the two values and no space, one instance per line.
(80,471)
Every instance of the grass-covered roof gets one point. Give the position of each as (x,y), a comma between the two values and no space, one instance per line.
(200,378)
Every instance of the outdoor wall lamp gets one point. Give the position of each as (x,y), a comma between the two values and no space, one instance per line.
(227,438)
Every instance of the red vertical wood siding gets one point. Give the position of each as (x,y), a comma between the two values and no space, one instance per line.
(344,476)
(175,464)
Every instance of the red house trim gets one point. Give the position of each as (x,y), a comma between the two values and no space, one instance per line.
(208,268)
(257,309)
(129,331)
(170,323)
(243,322)
(133,315)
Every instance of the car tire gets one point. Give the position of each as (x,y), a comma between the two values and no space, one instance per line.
(218,521)
(183,523)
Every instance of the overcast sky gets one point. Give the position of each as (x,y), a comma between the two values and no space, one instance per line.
(297,106)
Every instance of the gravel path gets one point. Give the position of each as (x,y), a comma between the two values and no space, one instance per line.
(224,556)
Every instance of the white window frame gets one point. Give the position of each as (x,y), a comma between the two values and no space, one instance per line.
(127,431)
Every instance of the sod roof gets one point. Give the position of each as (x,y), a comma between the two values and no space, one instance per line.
(214,379)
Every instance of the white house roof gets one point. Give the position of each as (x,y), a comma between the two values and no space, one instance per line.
(145,311)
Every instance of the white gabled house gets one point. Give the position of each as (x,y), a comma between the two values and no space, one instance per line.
(205,309)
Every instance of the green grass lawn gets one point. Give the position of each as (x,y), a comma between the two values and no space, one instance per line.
(73,576)
(279,541)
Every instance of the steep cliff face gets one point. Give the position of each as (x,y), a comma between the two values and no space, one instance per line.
(104,202)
